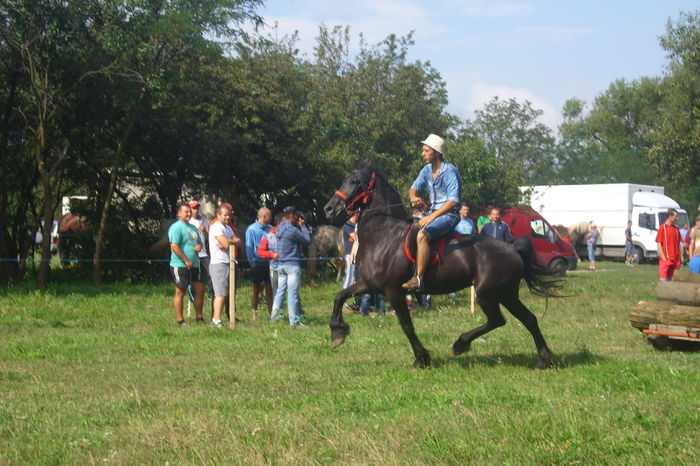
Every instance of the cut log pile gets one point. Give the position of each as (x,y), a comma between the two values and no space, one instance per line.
(676,313)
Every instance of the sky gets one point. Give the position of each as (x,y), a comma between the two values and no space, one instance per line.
(542,51)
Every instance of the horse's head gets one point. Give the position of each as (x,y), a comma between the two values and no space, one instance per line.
(353,192)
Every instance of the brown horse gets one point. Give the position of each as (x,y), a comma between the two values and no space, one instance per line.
(494,267)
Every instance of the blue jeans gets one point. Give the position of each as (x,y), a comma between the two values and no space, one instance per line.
(288,281)
(591,252)
(372,298)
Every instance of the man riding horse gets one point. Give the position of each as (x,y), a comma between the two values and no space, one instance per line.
(442,182)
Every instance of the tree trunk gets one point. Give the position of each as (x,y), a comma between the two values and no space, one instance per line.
(645,313)
(45,265)
(119,159)
(679,292)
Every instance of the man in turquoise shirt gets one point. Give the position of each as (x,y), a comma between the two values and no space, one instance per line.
(185,243)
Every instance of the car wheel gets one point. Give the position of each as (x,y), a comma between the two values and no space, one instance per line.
(638,256)
(558,267)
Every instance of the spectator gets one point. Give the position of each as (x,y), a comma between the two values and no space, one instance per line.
(629,246)
(694,247)
(684,232)
(261,267)
(268,250)
(496,228)
(200,222)
(349,238)
(291,235)
(466,225)
(221,238)
(185,243)
(668,240)
(482,220)
(591,241)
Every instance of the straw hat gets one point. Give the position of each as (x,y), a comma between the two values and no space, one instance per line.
(435,142)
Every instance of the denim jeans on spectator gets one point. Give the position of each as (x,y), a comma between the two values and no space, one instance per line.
(369,299)
(288,281)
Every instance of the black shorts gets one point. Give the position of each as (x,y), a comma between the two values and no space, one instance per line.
(183,277)
(261,274)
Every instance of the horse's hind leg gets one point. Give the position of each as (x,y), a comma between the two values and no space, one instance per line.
(398,301)
(529,320)
(495,319)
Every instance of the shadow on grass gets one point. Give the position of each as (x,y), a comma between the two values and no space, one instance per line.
(583,357)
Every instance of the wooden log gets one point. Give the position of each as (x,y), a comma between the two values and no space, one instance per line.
(679,292)
(686,276)
(645,313)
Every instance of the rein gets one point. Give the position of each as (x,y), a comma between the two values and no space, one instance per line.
(363,197)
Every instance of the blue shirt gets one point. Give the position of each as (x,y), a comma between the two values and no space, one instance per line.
(499,231)
(447,185)
(289,238)
(187,237)
(465,226)
(253,235)
(348,228)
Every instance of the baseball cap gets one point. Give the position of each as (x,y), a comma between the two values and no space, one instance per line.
(194,203)
(289,210)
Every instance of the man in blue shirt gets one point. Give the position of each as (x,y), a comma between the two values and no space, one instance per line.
(291,235)
(496,228)
(444,186)
(261,267)
(466,225)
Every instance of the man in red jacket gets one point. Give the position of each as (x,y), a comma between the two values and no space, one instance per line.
(668,240)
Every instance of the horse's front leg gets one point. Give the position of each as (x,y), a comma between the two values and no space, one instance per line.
(397,297)
(339,329)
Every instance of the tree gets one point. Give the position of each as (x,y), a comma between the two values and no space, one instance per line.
(676,140)
(511,132)
(611,142)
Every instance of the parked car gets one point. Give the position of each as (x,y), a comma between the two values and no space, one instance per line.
(552,252)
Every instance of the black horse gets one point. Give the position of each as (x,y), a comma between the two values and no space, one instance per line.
(495,268)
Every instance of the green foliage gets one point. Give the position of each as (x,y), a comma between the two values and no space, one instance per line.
(511,132)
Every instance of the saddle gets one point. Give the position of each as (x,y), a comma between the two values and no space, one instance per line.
(437,245)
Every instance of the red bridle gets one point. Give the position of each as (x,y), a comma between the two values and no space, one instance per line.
(364,196)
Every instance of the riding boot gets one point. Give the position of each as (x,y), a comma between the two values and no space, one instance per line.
(414,284)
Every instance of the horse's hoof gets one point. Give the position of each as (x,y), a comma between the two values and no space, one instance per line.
(337,342)
(422,362)
(456,350)
(545,363)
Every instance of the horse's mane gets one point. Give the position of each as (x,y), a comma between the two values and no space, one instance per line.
(385,200)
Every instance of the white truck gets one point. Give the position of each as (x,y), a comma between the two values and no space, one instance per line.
(610,206)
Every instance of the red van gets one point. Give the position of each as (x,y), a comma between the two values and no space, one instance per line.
(551,251)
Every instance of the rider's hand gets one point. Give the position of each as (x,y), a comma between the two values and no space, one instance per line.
(188,264)
(425,221)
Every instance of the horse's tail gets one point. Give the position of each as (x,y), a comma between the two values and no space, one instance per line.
(534,273)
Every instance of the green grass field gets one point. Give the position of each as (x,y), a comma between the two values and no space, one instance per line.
(102,375)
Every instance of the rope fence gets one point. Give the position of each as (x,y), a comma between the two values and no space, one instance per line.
(146,261)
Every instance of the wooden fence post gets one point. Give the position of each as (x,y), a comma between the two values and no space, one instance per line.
(472,296)
(232,287)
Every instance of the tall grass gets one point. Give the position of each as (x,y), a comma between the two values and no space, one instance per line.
(101,374)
